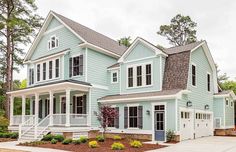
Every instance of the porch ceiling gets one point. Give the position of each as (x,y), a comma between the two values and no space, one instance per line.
(57,86)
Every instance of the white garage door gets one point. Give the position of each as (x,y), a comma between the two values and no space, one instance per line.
(186,125)
(203,124)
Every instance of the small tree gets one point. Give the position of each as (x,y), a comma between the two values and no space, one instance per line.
(104,116)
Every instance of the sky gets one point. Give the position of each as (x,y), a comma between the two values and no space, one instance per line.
(216,22)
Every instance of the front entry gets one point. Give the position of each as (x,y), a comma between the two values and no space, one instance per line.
(159,122)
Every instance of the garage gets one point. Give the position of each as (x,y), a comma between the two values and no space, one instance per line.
(203,124)
(186,125)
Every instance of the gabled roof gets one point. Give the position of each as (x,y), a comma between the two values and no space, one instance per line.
(146,43)
(85,34)
(225,93)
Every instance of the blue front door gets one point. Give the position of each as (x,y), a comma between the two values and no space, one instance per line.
(159,123)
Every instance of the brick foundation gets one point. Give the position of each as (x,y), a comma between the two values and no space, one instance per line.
(224,132)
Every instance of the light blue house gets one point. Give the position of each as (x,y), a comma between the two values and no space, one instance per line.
(73,69)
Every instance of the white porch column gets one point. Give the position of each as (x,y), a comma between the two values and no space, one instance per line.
(36,113)
(67,107)
(11,109)
(23,109)
(51,108)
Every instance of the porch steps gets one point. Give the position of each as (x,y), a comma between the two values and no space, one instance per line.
(29,135)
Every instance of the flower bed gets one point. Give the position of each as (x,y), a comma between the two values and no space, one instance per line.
(102,146)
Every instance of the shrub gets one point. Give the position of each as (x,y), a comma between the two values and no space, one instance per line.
(53,141)
(48,137)
(59,138)
(5,135)
(14,135)
(136,144)
(170,135)
(117,137)
(83,139)
(117,146)
(66,141)
(100,138)
(93,144)
(76,142)
(33,143)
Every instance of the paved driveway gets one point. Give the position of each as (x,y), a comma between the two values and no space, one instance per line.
(206,144)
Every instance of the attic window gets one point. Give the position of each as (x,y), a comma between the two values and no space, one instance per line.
(53,42)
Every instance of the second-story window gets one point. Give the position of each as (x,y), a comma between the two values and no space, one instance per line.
(130,77)
(76,66)
(208,82)
(193,75)
(148,74)
(53,42)
(139,75)
(57,67)
(31,76)
(50,70)
(38,72)
(44,71)
(114,77)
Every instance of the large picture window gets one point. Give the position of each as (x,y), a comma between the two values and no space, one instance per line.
(133,117)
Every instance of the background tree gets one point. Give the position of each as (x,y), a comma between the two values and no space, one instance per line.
(180,31)
(126,41)
(229,85)
(104,116)
(18,23)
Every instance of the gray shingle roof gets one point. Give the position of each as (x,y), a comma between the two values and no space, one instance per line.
(223,92)
(139,95)
(93,37)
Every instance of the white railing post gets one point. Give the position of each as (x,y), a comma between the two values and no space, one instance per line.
(51,108)
(23,109)
(20,130)
(67,107)
(11,109)
(36,114)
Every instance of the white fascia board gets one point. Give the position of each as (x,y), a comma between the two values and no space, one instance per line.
(99,49)
(226,95)
(116,68)
(136,41)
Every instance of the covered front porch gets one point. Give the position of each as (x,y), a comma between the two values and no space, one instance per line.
(61,104)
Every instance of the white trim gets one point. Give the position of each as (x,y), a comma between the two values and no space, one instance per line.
(115,68)
(139,40)
(98,86)
(192,117)
(225,101)
(53,29)
(90,107)
(132,105)
(112,72)
(86,64)
(153,118)
(128,131)
(140,59)
(161,80)
(120,80)
(176,115)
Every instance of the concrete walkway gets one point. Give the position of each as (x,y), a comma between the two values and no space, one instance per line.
(206,144)
(12,145)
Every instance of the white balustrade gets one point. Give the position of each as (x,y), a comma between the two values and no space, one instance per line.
(78,119)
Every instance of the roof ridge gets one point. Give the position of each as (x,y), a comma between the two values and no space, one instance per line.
(89,28)
(185,44)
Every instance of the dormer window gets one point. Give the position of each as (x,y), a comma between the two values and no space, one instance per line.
(53,42)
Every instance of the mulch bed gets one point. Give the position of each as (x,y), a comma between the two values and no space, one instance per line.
(6,139)
(103,146)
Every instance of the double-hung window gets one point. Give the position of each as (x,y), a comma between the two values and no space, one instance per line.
(148,74)
(38,72)
(114,78)
(139,75)
(44,70)
(208,82)
(133,117)
(193,75)
(130,77)
(57,67)
(31,76)
(50,70)
(76,65)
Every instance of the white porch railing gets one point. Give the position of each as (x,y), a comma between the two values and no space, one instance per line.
(27,125)
(75,119)
(17,119)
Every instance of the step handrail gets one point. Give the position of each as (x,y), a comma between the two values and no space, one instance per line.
(24,123)
(37,125)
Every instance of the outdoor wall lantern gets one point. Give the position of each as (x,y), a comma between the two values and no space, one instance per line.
(207,107)
(189,104)
(148,112)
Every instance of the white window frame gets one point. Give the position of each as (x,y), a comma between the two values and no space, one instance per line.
(74,56)
(193,64)
(112,72)
(132,105)
(134,66)
(231,104)
(227,99)
(208,73)
(49,44)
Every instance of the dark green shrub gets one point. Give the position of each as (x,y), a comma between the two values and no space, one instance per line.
(59,138)
(66,141)
(53,141)
(76,142)
(48,137)
(6,135)
(100,138)
(170,135)
(83,139)
(14,135)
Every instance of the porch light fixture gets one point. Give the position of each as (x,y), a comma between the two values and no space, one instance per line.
(148,112)
(206,107)
(189,104)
